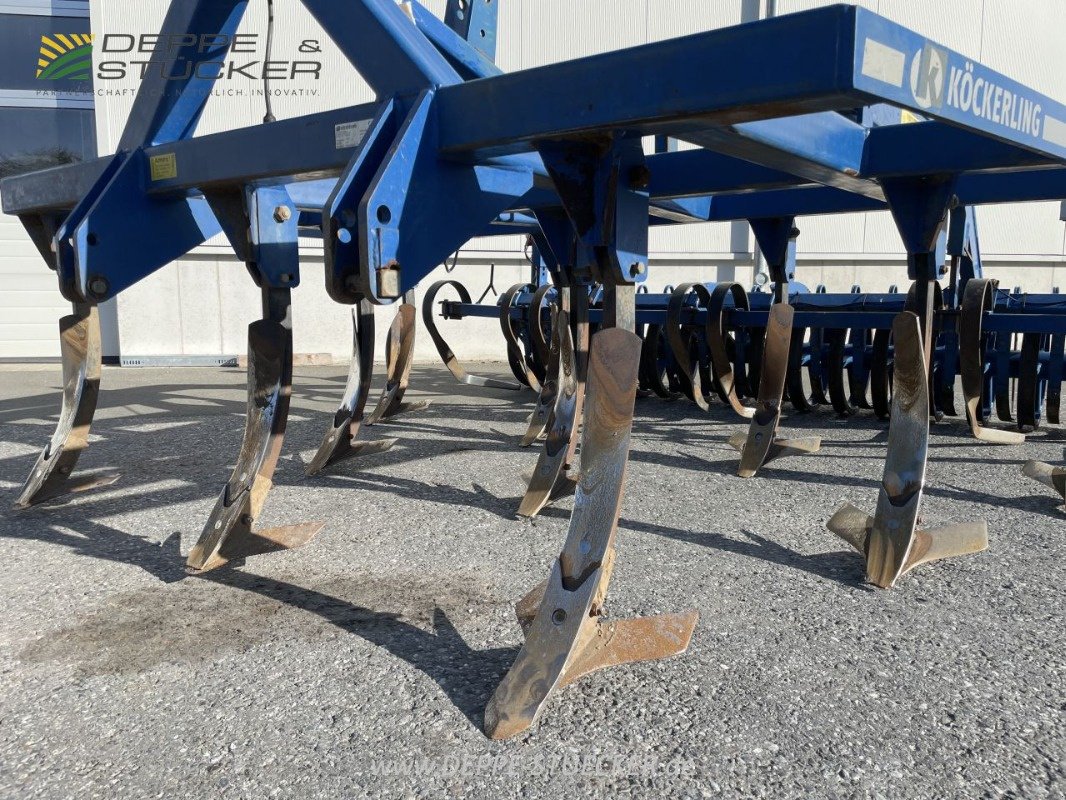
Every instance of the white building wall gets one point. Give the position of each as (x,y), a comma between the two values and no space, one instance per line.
(201,305)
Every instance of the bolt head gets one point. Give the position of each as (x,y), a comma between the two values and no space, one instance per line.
(639,268)
(282,214)
(98,286)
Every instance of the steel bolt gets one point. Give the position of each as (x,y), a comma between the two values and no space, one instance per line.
(282,214)
(98,286)
(559,616)
(638,268)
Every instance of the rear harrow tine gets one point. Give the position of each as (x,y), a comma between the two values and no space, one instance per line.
(858,373)
(681,342)
(515,355)
(797,392)
(554,462)
(651,368)
(976,300)
(761,446)
(716,342)
(399,356)
(880,374)
(835,358)
(562,342)
(541,344)
(79,338)
(229,534)
(340,443)
(1029,382)
(1054,377)
(449,358)
(565,637)
(816,367)
(890,541)
(1001,379)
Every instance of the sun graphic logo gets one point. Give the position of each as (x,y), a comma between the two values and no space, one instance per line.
(65,56)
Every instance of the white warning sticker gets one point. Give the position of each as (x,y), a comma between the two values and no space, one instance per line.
(351,134)
(883,63)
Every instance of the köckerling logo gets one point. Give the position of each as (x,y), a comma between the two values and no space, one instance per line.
(65,56)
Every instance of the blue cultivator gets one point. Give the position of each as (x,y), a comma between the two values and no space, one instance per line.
(453,149)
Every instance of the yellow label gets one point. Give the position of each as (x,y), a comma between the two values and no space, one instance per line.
(907,117)
(164,167)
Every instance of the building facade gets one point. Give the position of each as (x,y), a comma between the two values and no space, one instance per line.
(199,307)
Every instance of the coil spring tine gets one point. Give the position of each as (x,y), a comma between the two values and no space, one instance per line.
(1001,381)
(1029,382)
(881,374)
(1056,357)
(836,357)
(797,392)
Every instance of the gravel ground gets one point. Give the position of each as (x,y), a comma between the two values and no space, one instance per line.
(359,666)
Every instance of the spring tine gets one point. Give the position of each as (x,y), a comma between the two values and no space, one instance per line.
(229,532)
(759,444)
(976,300)
(880,374)
(680,340)
(399,357)
(79,338)
(835,358)
(516,358)
(716,342)
(562,341)
(555,459)
(797,392)
(816,367)
(340,442)
(1056,357)
(1001,379)
(1029,382)
(449,358)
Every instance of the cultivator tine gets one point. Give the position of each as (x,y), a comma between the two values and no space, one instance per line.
(340,440)
(562,341)
(681,342)
(716,342)
(79,338)
(516,358)
(399,356)
(890,540)
(566,639)
(550,479)
(449,358)
(761,446)
(977,299)
(1052,477)
(229,532)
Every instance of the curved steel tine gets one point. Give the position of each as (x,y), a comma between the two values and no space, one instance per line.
(653,371)
(1052,477)
(797,392)
(816,367)
(566,639)
(976,300)
(1056,358)
(892,543)
(449,358)
(838,395)
(1029,381)
(562,340)
(541,344)
(761,445)
(858,374)
(339,442)
(79,339)
(229,533)
(880,374)
(681,345)
(399,356)
(515,354)
(716,342)
(550,475)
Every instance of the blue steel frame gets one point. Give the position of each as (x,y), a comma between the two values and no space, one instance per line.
(452,144)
